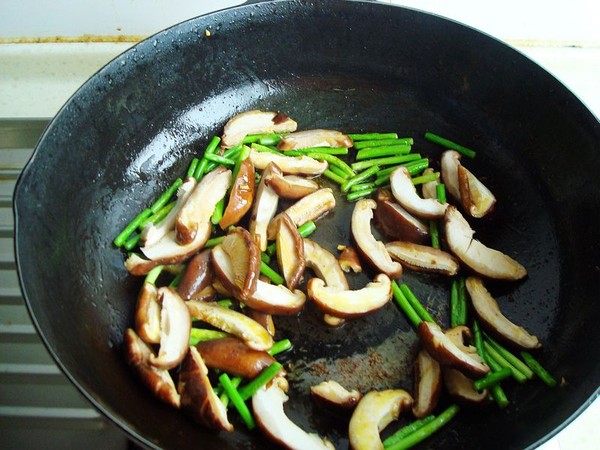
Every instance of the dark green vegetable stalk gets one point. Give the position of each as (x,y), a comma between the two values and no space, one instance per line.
(220,159)
(271,274)
(406,430)
(263,139)
(334,177)
(175,281)
(386,161)
(427,178)
(382,142)
(202,168)
(131,227)
(263,378)
(280,347)
(198,335)
(405,305)
(362,176)
(213,242)
(327,150)
(332,160)
(462,301)
(360,194)
(416,167)
(426,430)
(237,401)
(416,304)
(235,382)
(434,233)
(537,368)
(454,300)
(372,136)
(192,168)
(384,150)
(217,214)
(152,276)
(496,390)
(362,186)
(497,361)
(304,230)
(449,144)
(339,172)
(511,358)
(491,379)
(158,216)
(265,149)
(440,191)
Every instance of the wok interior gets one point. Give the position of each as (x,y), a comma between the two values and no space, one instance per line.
(136,125)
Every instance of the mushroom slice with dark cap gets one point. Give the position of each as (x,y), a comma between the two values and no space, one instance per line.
(314,138)
(397,223)
(349,260)
(375,411)
(244,256)
(351,303)
(255,122)
(423,258)
(370,248)
(326,267)
(197,277)
(293,165)
(405,193)
(147,314)
(159,381)
(291,187)
(486,308)
(232,322)
(465,187)
(460,388)
(266,297)
(427,384)
(264,209)
(233,356)
(175,325)
(308,208)
(481,259)
(241,195)
(266,320)
(290,251)
(194,216)
(332,394)
(475,197)
(267,404)
(447,352)
(198,400)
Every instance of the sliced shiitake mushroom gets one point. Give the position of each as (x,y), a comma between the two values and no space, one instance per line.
(325,265)
(405,193)
(375,411)
(487,309)
(290,251)
(153,233)
(233,322)
(370,248)
(194,216)
(314,138)
(266,297)
(351,303)
(475,197)
(233,356)
(175,325)
(264,209)
(244,256)
(349,260)
(293,165)
(481,259)
(449,162)
(308,208)
(241,195)
(460,388)
(255,122)
(429,189)
(397,223)
(266,320)
(147,314)
(444,349)
(267,405)
(427,384)
(197,277)
(159,381)
(291,187)
(423,258)
(333,395)
(198,399)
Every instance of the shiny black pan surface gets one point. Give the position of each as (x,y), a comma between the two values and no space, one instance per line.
(135,126)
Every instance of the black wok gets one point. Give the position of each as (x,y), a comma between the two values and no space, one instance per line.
(134,127)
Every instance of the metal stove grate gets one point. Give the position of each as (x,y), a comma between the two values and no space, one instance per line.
(39,407)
